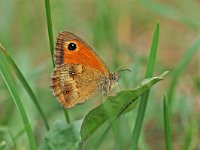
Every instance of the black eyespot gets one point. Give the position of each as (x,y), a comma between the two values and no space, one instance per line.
(71,46)
(72,73)
(67,91)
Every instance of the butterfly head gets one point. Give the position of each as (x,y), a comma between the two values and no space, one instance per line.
(114,76)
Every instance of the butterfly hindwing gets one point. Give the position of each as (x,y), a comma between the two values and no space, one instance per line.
(75,83)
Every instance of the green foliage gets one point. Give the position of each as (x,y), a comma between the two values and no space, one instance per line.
(113,108)
(190,137)
(190,52)
(167,126)
(172,13)
(50,30)
(7,76)
(144,98)
(23,81)
(120,33)
(51,42)
(6,144)
(62,136)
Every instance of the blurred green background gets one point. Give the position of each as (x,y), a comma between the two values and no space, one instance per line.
(121,34)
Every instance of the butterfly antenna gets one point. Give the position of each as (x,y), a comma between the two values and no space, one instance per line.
(125,70)
(120,67)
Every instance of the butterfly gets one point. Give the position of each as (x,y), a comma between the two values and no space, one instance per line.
(79,73)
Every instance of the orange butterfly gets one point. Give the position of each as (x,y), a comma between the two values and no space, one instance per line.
(79,73)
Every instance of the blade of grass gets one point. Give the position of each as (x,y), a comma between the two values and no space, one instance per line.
(180,67)
(6,72)
(5,129)
(191,138)
(50,29)
(25,84)
(144,98)
(166,114)
(51,42)
(19,134)
(142,143)
(7,113)
(172,13)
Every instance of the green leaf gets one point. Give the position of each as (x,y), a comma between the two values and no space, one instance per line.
(153,52)
(166,114)
(113,107)
(61,136)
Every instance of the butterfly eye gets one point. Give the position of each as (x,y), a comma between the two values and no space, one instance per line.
(71,46)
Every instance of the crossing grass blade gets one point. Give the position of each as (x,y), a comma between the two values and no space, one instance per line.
(6,74)
(7,114)
(172,13)
(51,43)
(50,29)
(180,67)
(144,98)
(190,137)
(24,83)
(6,130)
(166,113)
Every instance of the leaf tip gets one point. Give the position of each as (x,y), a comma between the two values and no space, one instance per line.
(164,74)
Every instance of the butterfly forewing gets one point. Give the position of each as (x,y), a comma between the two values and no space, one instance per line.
(79,73)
